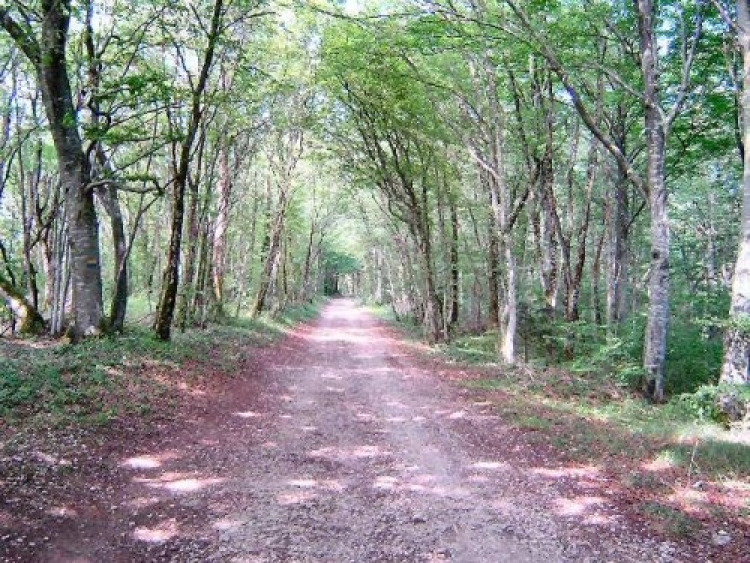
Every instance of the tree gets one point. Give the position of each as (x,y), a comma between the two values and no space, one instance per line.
(46,50)
(736,365)
(658,125)
(171,276)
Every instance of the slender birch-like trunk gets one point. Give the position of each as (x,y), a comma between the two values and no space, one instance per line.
(737,339)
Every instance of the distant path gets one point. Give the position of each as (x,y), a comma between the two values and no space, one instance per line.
(340,444)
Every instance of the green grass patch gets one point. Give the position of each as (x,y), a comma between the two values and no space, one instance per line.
(473,349)
(103,379)
(586,423)
(670,520)
(409,327)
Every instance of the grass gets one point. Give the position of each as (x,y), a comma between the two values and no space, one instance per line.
(51,383)
(672,522)
(655,453)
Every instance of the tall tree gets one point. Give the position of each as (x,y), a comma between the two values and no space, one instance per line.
(736,365)
(171,276)
(46,50)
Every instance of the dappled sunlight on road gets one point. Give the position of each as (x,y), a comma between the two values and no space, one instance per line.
(248,414)
(140,503)
(490,465)
(226,524)
(574,471)
(178,483)
(150,461)
(60,512)
(162,532)
(352,452)
(578,506)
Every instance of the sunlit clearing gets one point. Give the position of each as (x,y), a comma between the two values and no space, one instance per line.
(159,534)
(491,465)
(577,506)
(248,414)
(562,472)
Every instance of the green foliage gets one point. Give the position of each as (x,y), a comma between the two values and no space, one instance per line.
(671,520)
(474,349)
(618,357)
(103,379)
(340,263)
(694,357)
(708,402)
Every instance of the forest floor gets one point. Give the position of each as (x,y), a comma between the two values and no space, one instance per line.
(345,442)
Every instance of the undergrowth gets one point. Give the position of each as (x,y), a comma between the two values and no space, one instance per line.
(54,383)
(591,409)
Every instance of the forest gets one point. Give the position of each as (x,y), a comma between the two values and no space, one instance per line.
(554,192)
(567,176)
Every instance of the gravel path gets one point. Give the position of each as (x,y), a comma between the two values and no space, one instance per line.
(344,447)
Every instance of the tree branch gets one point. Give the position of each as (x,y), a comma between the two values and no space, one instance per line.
(22,37)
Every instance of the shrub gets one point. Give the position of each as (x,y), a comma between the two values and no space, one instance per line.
(718,403)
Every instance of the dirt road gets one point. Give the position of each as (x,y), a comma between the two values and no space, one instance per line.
(342,446)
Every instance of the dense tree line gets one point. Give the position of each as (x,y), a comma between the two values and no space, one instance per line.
(572,175)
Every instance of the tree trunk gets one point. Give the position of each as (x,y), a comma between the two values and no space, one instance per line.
(736,366)
(31,322)
(271,260)
(187,294)
(548,237)
(455,293)
(493,266)
(171,277)
(219,262)
(48,55)
(654,357)
(432,317)
(119,305)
